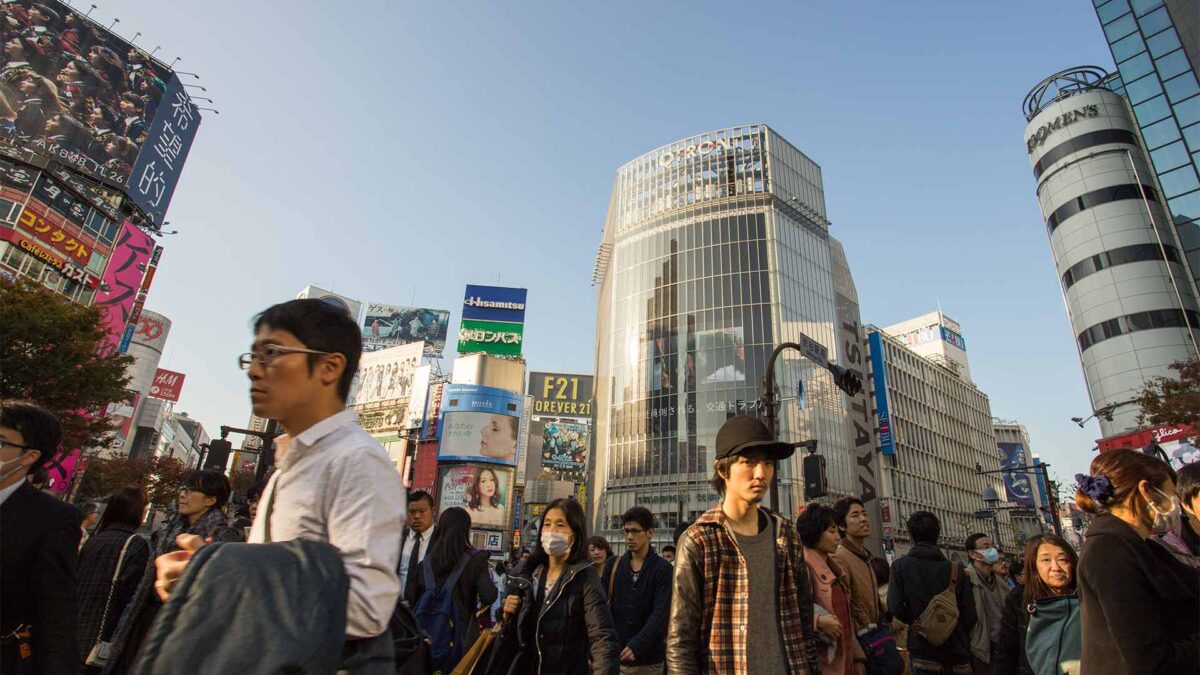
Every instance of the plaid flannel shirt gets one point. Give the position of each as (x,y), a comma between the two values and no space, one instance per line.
(715,641)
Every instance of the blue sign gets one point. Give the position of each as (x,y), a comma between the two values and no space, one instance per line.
(126,338)
(479,424)
(887,445)
(1017,486)
(1043,493)
(494,303)
(156,172)
(954,338)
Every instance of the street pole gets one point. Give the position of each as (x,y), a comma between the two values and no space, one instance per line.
(771,417)
(996,528)
(1053,495)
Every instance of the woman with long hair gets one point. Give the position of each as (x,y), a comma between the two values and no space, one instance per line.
(1048,600)
(1140,606)
(111,564)
(484,498)
(473,590)
(599,551)
(562,620)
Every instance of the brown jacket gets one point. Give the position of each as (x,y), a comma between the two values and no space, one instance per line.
(864,591)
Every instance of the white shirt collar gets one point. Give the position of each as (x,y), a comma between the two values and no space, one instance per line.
(7,492)
(310,436)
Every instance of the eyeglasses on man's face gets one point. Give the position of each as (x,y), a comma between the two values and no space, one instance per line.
(267,354)
(633,531)
(18,446)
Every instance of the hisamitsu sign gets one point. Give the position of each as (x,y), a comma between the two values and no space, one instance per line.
(494,303)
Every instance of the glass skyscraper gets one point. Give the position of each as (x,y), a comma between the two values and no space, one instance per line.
(715,249)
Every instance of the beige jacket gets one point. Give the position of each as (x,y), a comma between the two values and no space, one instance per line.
(864,598)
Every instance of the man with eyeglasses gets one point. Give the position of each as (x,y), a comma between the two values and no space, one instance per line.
(639,584)
(742,601)
(333,482)
(39,538)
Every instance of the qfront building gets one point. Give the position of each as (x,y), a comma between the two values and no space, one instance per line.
(1129,295)
(716,248)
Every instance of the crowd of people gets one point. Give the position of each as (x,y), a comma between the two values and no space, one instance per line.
(390,585)
(68,84)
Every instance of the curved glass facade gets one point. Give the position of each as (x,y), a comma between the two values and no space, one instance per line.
(716,249)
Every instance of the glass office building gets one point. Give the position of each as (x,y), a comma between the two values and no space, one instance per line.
(1155,46)
(715,249)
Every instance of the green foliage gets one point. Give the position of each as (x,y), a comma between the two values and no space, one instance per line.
(49,354)
(1174,401)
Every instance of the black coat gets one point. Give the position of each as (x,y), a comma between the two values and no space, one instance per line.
(1010,658)
(39,544)
(916,578)
(1139,606)
(475,589)
(97,565)
(557,638)
(640,611)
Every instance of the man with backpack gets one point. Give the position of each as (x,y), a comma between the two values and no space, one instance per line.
(933,596)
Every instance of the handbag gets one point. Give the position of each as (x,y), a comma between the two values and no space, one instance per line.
(883,654)
(98,657)
(475,654)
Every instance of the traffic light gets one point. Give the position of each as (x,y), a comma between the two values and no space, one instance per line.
(846,380)
(815,484)
(218,454)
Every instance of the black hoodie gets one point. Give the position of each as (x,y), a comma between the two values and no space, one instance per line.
(916,578)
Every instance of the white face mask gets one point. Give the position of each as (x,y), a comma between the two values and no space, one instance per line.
(555,543)
(1168,520)
(11,466)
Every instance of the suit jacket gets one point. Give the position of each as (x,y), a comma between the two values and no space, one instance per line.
(39,542)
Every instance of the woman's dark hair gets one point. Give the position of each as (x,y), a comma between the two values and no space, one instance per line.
(134,99)
(678,532)
(1035,588)
(127,506)
(882,570)
(110,116)
(321,326)
(474,498)
(212,483)
(1124,469)
(1187,487)
(39,427)
(578,523)
(596,541)
(451,539)
(812,522)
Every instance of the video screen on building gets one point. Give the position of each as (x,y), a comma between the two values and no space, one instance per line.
(480,489)
(86,98)
(480,424)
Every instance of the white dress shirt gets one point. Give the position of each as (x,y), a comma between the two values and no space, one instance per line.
(7,492)
(406,554)
(336,484)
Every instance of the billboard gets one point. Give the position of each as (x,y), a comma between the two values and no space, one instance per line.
(92,101)
(887,444)
(1018,488)
(720,356)
(167,385)
(480,489)
(564,445)
(386,375)
(348,305)
(417,396)
(561,394)
(490,337)
(494,303)
(480,424)
(386,326)
(121,281)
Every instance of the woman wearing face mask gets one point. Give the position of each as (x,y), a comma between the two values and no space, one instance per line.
(1140,606)
(561,620)
(1039,632)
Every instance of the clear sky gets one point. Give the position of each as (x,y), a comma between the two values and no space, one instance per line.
(395,151)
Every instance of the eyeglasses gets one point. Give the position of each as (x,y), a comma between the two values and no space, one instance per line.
(10,444)
(630,531)
(268,353)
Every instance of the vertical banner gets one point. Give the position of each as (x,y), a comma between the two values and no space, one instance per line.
(121,282)
(887,445)
(1018,489)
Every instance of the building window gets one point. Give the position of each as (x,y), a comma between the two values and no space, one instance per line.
(1096,198)
(1083,142)
(1122,325)
(1118,256)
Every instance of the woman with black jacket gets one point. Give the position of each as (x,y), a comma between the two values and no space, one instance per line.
(474,589)
(1140,606)
(1050,564)
(558,621)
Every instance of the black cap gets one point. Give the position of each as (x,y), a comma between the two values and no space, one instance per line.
(744,433)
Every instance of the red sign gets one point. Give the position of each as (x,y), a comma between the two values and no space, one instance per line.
(65,267)
(1140,439)
(166,385)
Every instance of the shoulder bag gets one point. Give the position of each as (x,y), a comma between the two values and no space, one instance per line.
(98,657)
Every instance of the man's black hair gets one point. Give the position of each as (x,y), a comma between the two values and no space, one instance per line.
(39,427)
(973,539)
(842,507)
(679,530)
(640,515)
(1188,484)
(321,326)
(924,528)
(669,547)
(419,496)
(812,522)
(212,483)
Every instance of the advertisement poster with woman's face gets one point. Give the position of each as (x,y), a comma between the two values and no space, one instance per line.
(481,490)
(481,436)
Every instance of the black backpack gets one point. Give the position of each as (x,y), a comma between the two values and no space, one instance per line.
(437,615)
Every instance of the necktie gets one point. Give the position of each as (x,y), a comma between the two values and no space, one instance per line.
(414,560)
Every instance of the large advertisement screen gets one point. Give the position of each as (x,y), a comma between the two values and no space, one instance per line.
(480,489)
(88,99)
(564,445)
(561,394)
(386,375)
(390,325)
(480,424)
(122,278)
(1018,488)
(720,356)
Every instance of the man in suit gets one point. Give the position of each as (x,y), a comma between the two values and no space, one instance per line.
(39,538)
(416,537)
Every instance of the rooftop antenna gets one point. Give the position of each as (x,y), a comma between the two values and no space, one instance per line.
(177,60)
(135,37)
(115,22)
(155,49)
(89,12)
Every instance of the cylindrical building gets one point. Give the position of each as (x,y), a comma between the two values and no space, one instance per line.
(1128,294)
(716,248)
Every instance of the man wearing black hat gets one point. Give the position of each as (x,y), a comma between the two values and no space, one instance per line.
(742,567)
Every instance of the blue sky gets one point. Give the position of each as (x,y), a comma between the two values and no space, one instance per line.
(395,151)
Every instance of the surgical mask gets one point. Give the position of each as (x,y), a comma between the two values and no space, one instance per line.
(1165,521)
(990,555)
(11,466)
(555,543)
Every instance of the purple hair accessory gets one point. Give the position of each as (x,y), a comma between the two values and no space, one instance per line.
(1098,488)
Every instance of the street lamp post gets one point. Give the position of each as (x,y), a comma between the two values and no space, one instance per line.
(1040,468)
(992,501)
